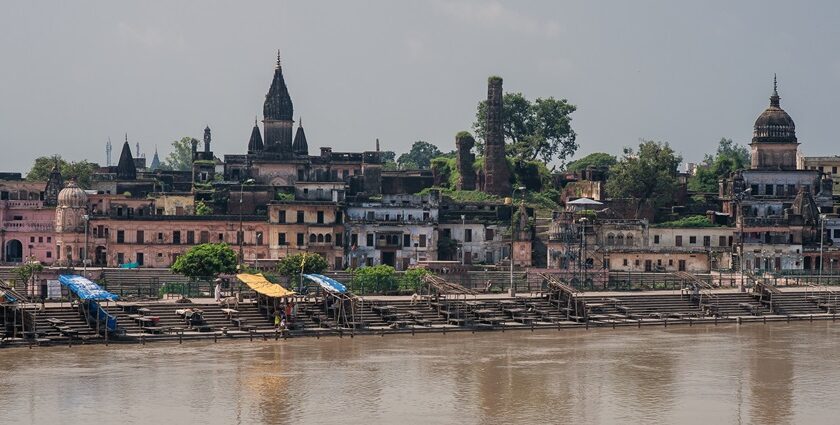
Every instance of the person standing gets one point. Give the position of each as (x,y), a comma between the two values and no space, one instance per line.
(218,290)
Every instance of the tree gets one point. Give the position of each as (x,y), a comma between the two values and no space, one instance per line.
(533,130)
(378,279)
(388,162)
(595,160)
(81,171)
(648,175)
(28,271)
(201,208)
(419,157)
(206,261)
(412,279)
(180,159)
(291,266)
(729,157)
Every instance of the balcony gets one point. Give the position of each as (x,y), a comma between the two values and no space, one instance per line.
(22,204)
(764,222)
(29,226)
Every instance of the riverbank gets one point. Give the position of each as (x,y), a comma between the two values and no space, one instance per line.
(61,325)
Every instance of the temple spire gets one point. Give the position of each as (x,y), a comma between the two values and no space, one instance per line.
(774,99)
(278,59)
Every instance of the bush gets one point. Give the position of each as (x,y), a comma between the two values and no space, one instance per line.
(692,221)
(412,279)
(379,279)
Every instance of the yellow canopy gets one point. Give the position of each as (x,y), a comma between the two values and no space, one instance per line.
(258,283)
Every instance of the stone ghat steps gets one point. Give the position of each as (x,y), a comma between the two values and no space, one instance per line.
(213,315)
(788,303)
(73,321)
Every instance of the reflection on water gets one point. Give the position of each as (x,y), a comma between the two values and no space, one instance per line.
(763,374)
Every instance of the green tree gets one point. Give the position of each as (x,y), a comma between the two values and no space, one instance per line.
(81,171)
(28,271)
(201,208)
(412,279)
(388,162)
(291,266)
(206,261)
(646,175)
(533,130)
(419,157)
(377,279)
(180,159)
(729,157)
(596,160)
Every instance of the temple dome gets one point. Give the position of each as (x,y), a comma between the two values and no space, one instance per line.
(72,196)
(774,125)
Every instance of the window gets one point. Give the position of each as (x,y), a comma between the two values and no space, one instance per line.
(120,236)
(40,239)
(467,235)
(327,238)
(369,239)
(140,258)
(160,237)
(338,238)
(422,241)
(190,237)
(49,239)
(259,237)
(281,238)
(141,237)
(300,239)
(754,189)
(320,237)
(32,239)
(707,241)
(447,233)
(281,216)
(354,239)
(791,190)
(833,170)
(692,239)
(204,236)
(49,254)
(656,239)
(488,234)
(610,239)
(637,262)
(320,217)
(678,241)
(176,237)
(300,216)
(768,190)
(120,258)
(425,216)
(406,240)
(221,237)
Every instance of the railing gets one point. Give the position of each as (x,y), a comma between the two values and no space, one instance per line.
(763,221)
(29,226)
(21,204)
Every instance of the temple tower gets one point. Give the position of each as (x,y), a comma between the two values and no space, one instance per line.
(774,143)
(277,115)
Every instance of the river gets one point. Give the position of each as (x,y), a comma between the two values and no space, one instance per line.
(754,374)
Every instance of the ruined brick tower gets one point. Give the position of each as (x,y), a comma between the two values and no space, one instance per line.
(464,143)
(496,172)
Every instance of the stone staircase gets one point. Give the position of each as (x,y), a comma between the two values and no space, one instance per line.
(74,325)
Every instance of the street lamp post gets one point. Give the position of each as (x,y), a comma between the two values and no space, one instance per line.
(822,237)
(512,288)
(86,218)
(464,228)
(241,234)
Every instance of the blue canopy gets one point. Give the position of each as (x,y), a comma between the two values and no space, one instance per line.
(327,283)
(85,289)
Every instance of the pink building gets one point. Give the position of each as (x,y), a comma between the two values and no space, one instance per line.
(26,223)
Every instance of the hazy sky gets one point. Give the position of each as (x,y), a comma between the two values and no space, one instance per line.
(73,74)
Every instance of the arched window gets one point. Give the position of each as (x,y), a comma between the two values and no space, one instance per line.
(619,240)
(328,238)
(312,238)
(320,237)
(630,240)
(610,239)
